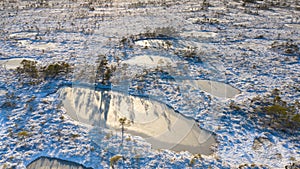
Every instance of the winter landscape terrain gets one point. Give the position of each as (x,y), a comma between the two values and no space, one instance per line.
(150,84)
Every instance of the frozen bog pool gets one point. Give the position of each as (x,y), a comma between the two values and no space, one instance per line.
(12,63)
(157,123)
(53,163)
(37,46)
(199,34)
(214,88)
(23,35)
(149,61)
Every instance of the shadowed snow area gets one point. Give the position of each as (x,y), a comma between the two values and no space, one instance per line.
(214,88)
(157,123)
(12,63)
(53,163)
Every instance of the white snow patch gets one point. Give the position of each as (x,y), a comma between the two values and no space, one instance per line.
(293,25)
(2,92)
(37,46)
(21,35)
(198,34)
(13,63)
(149,61)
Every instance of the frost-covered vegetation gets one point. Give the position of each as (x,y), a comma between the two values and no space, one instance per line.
(159,50)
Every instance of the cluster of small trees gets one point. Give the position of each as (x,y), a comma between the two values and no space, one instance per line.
(29,68)
(35,73)
(104,70)
(56,69)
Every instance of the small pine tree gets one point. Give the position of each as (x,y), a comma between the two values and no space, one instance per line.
(122,123)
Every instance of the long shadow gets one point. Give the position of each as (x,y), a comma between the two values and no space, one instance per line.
(104,108)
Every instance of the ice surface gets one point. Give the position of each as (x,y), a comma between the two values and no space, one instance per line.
(149,61)
(52,163)
(157,123)
(214,88)
(12,63)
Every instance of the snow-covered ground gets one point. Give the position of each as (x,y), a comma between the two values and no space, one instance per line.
(247,48)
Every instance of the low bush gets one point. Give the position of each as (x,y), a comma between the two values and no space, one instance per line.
(113,160)
(29,68)
(23,134)
(287,48)
(53,70)
(104,71)
(190,53)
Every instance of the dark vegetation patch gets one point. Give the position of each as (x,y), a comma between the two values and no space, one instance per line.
(104,71)
(190,53)
(288,48)
(31,70)
(267,4)
(271,111)
(10,100)
(206,20)
(56,69)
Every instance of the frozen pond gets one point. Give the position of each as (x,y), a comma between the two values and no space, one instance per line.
(157,123)
(214,88)
(149,61)
(12,63)
(53,163)
(198,34)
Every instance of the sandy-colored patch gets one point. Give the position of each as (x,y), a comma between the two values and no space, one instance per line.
(2,92)
(155,122)
(214,88)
